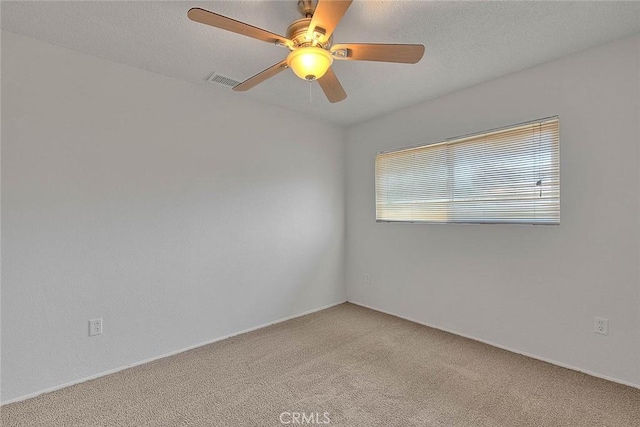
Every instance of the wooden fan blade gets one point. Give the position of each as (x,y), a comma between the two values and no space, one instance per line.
(261,76)
(332,87)
(209,18)
(327,15)
(403,53)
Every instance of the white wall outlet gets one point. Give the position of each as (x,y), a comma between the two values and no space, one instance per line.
(367,279)
(601,325)
(95,327)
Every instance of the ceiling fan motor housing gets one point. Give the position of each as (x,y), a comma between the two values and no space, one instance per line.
(297,33)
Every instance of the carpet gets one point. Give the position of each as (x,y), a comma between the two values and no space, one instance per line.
(344,366)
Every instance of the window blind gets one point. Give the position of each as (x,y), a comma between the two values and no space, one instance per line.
(509,175)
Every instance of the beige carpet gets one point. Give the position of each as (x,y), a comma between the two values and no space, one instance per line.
(361,367)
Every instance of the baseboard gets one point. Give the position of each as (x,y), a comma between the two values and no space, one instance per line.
(503,347)
(172,353)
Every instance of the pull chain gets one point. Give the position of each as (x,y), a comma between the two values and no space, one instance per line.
(310,92)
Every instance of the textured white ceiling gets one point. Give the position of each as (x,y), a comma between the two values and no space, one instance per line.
(466,43)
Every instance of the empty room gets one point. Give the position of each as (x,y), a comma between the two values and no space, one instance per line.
(320,212)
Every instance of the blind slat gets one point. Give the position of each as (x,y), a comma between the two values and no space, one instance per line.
(511,175)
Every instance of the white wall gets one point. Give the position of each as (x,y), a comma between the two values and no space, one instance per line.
(534,289)
(173,212)
(180,215)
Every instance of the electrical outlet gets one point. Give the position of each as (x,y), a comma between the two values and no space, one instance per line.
(367,279)
(601,325)
(95,327)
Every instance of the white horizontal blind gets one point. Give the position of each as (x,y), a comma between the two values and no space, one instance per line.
(510,175)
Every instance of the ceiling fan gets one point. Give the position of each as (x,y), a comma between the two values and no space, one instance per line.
(311,45)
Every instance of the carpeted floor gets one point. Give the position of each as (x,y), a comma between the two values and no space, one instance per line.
(360,367)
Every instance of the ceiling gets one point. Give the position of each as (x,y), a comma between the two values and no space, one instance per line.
(466,43)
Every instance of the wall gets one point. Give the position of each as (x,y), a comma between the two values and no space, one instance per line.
(179,215)
(534,289)
(175,212)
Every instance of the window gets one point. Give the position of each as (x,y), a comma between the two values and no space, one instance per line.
(510,175)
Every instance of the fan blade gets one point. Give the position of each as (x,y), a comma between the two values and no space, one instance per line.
(209,18)
(261,76)
(327,15)
(403,53)
(332,87)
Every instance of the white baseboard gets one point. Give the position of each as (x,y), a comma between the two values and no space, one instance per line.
(172,353)
(503,347)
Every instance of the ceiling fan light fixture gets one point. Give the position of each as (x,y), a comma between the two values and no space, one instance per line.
(310,62)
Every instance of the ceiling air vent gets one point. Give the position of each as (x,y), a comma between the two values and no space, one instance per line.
(222,80)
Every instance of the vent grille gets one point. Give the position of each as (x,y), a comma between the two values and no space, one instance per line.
(222,80)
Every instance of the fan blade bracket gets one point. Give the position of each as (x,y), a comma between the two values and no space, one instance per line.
(340,53)
(288,44)
(318,33)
